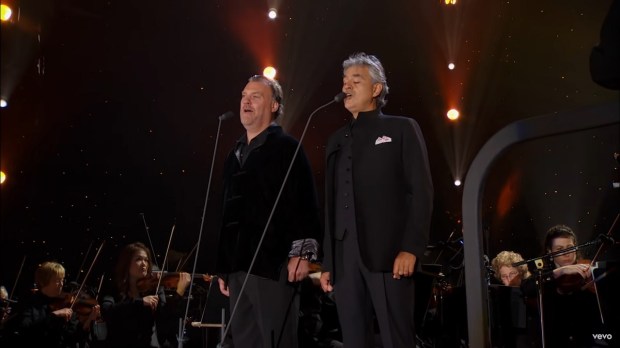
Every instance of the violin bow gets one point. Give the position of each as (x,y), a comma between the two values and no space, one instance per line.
(593,267)
(100,284)
(165,259)
(19,273)
(600,248)
(186,258)
(77,277)
(86,276)
(148,235)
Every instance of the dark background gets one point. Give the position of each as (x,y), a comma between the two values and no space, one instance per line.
(113,111)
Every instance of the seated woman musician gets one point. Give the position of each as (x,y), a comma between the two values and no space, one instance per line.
(140,306)
(505,272)
(46,317)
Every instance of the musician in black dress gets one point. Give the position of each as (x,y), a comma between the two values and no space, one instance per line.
(136,312)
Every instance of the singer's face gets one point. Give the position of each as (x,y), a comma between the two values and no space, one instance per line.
(257,106)
(562,243)
(361,92)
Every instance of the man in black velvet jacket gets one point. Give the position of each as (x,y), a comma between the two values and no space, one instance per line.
(253,175)
(378,210)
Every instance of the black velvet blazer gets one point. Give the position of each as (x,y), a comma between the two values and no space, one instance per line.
(249,194)
(393,190)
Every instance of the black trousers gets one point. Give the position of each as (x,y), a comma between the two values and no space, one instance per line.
(358,291)
(267,313)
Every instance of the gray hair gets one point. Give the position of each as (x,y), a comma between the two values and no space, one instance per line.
(374,68)
(276,91)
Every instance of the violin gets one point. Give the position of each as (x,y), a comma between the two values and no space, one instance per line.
(574,281)
(169,280)
(82,306)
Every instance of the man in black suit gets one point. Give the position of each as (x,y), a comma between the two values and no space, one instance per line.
(253,175)
(378,210)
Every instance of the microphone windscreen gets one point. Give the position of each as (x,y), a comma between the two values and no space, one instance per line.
(227,115)
(339,97)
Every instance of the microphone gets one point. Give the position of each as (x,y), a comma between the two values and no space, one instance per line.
(222,117)
(226,116)
(338,98)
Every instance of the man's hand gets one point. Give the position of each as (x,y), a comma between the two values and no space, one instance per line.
(404,265)
(223,287)
(326,284)
(297,273)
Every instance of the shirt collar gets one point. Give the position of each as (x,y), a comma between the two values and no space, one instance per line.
(364,117)
(261,137)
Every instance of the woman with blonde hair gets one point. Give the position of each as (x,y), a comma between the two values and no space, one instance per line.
(504,270)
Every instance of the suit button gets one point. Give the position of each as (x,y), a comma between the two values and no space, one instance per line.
(346,206)
(346,135)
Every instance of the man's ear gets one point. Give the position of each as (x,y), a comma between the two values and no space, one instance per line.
(274,106)
(377,88)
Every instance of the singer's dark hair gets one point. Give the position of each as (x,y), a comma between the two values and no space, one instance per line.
(276,91)
(375,68)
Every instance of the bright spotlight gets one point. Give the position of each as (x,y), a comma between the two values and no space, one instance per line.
(5,12)
(451,66)
(2,177)
(3,103)
(453,114)
(269,72)
(450,2)
(457,182)
(272,14)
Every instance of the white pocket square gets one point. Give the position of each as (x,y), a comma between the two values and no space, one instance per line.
(383,139)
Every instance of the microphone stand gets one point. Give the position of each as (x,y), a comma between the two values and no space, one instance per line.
(221,118)
(338,98)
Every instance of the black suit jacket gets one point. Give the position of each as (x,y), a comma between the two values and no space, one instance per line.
(392,188)
(249,194)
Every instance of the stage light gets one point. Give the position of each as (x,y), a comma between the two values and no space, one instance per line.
(457,182)
(453,114)
(272,14)
(451,66)
(450,2)
(2,177)
(269,72)
(5,12)
(3,103)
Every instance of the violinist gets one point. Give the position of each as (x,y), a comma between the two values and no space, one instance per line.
(134,312)
(505,272)
(46,318)
(570,313)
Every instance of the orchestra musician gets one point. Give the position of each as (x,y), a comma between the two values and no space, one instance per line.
(47,317)
(140,305)
(505,272)
(570,312)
